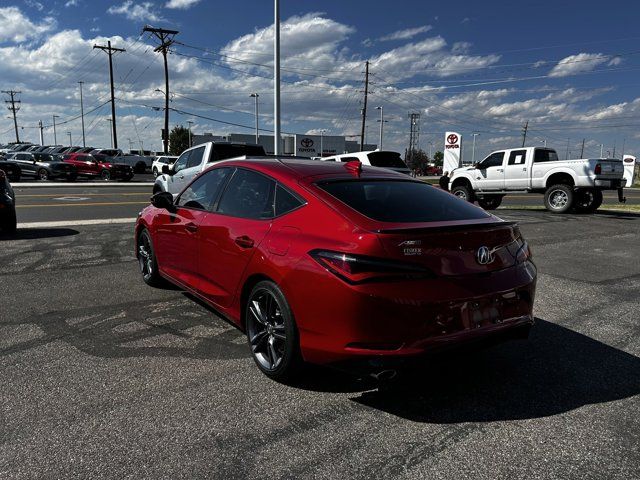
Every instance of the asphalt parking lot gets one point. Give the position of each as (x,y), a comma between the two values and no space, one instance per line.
(104,377)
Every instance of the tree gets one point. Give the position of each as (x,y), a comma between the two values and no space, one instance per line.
(438,158)
(178,140)
(418,161)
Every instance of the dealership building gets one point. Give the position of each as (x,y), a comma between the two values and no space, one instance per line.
(299,145)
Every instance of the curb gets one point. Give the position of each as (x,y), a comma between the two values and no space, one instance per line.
(76,223)
(80,185)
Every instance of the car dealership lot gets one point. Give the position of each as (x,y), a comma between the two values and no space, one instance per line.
(105,377)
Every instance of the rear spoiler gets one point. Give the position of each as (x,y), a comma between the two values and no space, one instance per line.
(449,228)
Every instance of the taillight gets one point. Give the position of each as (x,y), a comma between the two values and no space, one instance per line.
(524,253)
(360,268)
(598,169)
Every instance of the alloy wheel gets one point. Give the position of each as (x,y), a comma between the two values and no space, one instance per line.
(145,257)
(266,329)
(558,199)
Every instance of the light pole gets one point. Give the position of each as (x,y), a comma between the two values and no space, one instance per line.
(430,147)
(276,76)
(545,142)
(255,95)
(601,149)
(189,122)
(381,126)
(130,144)
(322,132)
(55,137)
(84,144)
(111,129)
(70,142)
(473,149)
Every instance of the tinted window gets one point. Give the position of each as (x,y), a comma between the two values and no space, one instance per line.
(348,159)
(542,155)
(398,201)
(221,151)
(248,195)
(517,157)
(195,158)
(386,160)
(286,201)
(181,163)
(204,190)
(493,160)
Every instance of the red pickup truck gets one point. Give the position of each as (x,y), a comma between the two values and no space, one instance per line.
(99,166)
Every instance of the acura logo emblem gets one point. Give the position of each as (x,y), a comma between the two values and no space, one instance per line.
(484,256)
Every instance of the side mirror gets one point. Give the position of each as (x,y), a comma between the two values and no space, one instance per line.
(167,169)
(163,200)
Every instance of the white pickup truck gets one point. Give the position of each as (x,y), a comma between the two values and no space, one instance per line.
(196,159)
(566,184)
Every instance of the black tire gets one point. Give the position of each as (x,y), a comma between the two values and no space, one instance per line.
(272,333)
(490,202)
(588,200)
(155,172)
(559,198)
(43,174)
(105,174)
(72,178)
(463,192)
(147,260)
(10,223)
(157,189)
(140,167)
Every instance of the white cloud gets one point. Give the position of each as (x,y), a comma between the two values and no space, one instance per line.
(582,62)
(17,28)
(138,12)
(405,34)
(184,4)
(34,4)
(72,3)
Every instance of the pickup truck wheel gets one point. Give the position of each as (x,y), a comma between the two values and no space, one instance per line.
(463,193)
(490,203)
(588,200)
(105,175)
(559,198)
(155,172)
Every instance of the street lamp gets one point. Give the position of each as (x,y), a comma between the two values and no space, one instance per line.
(189,122)
(544,141)
(381,126)
(601,149)
(70,142)
(322,132)
(111,129)
(55,138)
(255,95)
(430,147)
(473,149)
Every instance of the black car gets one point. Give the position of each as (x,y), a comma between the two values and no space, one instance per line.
(8,222)
(44,166)
(10,169)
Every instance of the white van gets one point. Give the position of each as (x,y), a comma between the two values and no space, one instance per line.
(376,158)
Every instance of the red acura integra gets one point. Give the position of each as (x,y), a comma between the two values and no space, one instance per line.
(330,262)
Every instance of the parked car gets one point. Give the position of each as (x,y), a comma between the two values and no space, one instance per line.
(196,159)
(565,184)
(8,222)
(99,166)
(332,262)
(139,163)
(43,166)
(11,169)
(383,159)
(56,149)
(159,162)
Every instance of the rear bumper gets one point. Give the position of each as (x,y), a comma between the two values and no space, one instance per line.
(609,184)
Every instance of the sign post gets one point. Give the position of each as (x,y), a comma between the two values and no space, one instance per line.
(629,162)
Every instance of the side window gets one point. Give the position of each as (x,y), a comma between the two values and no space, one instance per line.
(517,157)
(248,195)
(493,160)
(181,163)
(542,155)
(285,201)
(204,190)
(195,158)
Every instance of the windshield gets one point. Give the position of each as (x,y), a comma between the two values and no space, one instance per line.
(401,201)
(386,160)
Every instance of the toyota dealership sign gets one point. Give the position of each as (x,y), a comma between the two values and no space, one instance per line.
(452,148)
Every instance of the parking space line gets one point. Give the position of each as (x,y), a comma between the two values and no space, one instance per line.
(75,223)
(91,204)
(57,194)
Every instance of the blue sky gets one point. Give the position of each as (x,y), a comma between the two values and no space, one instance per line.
(569,68)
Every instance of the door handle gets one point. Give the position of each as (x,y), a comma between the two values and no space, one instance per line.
(181,177)
(500,170)
(244,242)
(191,227)
(524,169)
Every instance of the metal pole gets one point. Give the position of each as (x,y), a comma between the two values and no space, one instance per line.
(255,95)
(55,137)
(473,149)
(70,141)
(601,150)
(381,126)
(276,77)
(41,132)
(111,128)
(189,122)
(322,142)
(114,138)
(84,144)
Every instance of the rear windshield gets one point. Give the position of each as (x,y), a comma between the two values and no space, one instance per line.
(401,201)
(542,155)
(386,160)
(223,152)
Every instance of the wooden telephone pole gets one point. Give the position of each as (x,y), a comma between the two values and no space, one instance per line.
(14,109)
(364,106)
(109,49)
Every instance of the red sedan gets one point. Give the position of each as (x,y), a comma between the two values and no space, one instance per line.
(322,262)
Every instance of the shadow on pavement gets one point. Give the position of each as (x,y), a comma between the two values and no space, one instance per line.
(556,371)
(35,233)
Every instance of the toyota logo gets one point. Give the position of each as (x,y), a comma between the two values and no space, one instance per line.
(484,256)
(306,142)
(453,138)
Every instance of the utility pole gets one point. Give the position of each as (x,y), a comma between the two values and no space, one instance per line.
(41,132)
(55,137)
(276,77)
(414,135)
(84,144)
(381,126)
(166,40)
(322,132)
(112,135)
(473,148)
(601,150)
(70,142)
(364,106)
(566,157)
(524,133)
(255,95)
(14,109)
(130,144)
(582,149)
(189,122)
(109,49)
